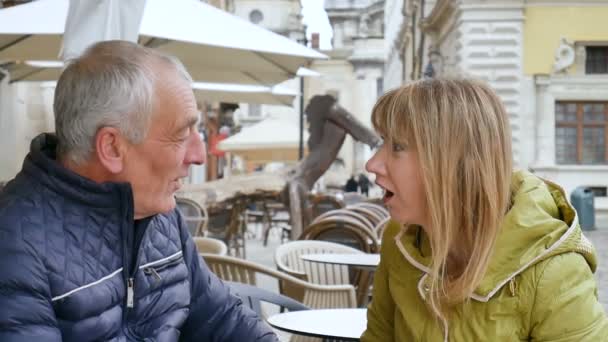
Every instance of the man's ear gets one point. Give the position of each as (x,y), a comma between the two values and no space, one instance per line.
(110,149)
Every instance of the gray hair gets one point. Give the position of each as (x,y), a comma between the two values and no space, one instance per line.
(112,84)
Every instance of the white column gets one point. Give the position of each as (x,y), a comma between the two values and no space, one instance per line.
(7,131)
(228,166)
(545,124)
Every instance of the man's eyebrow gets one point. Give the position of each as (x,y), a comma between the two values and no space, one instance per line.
(191,121)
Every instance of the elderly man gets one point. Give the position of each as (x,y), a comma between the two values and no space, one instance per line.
(91,245)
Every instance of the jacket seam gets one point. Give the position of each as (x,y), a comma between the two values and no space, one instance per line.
(98,281)
(156,262)
(540,277)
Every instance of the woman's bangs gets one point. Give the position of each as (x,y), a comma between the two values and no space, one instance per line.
(381,115)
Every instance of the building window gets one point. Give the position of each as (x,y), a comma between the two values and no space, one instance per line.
(581,130)
(596,61)
(256,16)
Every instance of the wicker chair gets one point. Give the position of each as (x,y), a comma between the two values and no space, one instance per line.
(210,246)
(343,230)
(228,224)
(196,216)
(372,216)
(320,204)
(288,259)
(277,218)
(380,210)
(380,227)
(338,213)
(312,295)
(375,206)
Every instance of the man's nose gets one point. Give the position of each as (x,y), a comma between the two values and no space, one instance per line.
(197,152)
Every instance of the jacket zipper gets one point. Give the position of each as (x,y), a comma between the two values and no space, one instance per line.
(128,226)
(153,270)
(130,293)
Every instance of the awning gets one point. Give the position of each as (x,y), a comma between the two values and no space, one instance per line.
(269,140)
(214,45)
(37,71)
(240,93)
(222,92)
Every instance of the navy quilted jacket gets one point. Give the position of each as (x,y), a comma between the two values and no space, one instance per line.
(68,271)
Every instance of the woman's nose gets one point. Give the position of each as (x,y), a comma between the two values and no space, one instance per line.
(376,163)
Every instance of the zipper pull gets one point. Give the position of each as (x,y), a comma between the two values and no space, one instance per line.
(130,293)
(152,271)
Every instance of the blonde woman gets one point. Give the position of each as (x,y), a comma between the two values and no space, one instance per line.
(475,252)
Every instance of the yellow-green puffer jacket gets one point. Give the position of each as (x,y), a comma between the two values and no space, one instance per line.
(539,285)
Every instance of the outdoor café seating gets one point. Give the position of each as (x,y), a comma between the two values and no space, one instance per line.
(312,295)
(195,215)
(320,204)
(343,230)
(210,245)
(339,213)
(288,258)
(227,223)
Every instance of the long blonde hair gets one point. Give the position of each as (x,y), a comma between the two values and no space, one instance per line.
(461,132)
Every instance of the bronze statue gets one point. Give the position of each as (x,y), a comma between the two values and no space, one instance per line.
(328,125)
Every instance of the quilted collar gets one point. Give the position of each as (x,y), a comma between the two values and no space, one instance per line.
(41,166)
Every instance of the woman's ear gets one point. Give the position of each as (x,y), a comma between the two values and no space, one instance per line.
(109,149)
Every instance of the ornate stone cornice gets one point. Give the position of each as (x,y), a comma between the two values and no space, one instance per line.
(402,37)
(441,12)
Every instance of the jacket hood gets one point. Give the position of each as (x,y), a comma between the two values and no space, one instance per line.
(540,224)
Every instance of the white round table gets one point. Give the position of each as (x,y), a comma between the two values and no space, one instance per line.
(342,324)
(362,260)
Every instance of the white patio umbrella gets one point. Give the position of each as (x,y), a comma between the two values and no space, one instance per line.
(224,92)
(214,45)
(33,70)
(240,93)
(37,71)
(269,140)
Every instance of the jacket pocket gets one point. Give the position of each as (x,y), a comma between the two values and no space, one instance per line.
(156,268)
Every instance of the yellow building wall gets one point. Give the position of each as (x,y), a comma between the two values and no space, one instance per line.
(544,26)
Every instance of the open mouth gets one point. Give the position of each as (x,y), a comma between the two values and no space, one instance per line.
(387,194)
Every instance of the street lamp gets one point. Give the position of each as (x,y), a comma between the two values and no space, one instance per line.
(301,146)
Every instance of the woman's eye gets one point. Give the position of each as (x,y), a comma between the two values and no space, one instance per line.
(398,147)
